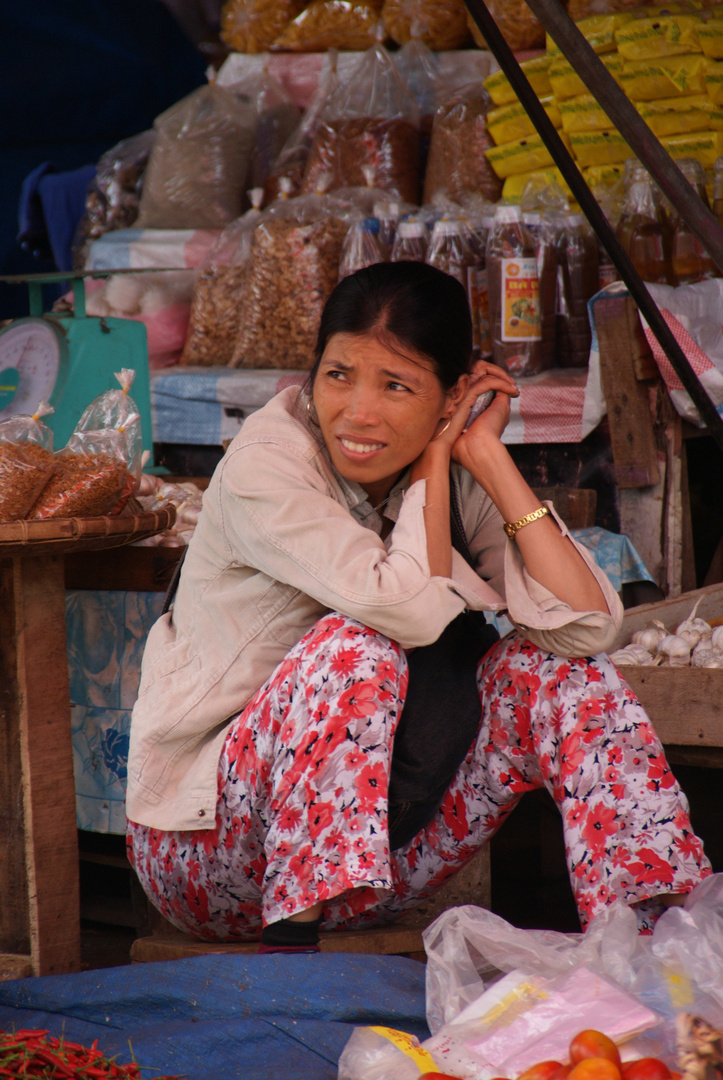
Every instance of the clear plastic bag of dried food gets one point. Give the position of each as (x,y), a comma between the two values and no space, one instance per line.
(457,163)
(113,196)
(291,162)
(373,121)
(277,118)
(252,26)
(89,476)
(515,21)
(199,161)
(293,266)
(331,24)
(214,321)
(442,23)
(115,410)
(26,462)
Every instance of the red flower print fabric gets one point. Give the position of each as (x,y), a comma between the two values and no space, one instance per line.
(302,808)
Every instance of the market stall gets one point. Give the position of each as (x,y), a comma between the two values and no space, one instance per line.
(244,279)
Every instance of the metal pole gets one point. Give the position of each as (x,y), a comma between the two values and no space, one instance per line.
(589,204)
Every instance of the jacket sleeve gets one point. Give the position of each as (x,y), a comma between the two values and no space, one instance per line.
(280,516)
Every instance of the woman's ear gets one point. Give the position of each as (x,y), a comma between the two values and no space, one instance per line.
(456,394)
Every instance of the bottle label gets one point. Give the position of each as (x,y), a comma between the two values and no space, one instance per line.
(520,300)
(473,297)
(483,309)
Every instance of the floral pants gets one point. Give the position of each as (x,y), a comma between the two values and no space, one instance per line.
(302,781)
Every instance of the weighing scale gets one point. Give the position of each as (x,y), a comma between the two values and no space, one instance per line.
(68,358)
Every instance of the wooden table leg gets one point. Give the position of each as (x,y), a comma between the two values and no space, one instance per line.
(39,868)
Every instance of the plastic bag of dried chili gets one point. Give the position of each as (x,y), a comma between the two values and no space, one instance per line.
(99,468)
(457,164)
(89,478)
(374,122)
(26,462)
(291,161)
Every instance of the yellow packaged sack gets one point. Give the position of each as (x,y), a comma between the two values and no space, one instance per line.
(514,186)
(664,35)
(704,146)
(498,87)
(714,81)
(598,31)
(647,80)
(710,36)
(565,81)
(664,119)
(509,122)
(522,155)
(582,113)
(602,175)
(599,147)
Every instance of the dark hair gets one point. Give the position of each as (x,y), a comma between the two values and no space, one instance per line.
(419,306)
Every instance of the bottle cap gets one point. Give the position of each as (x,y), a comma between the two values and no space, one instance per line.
(508,213)
(371,225)
(386,210)
(447,227)
(411,229)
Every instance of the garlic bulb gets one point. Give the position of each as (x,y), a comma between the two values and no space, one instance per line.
(715,661)
(650,637)
(692,629)
(716,638)
(702,655)
(632,654)
(676,649)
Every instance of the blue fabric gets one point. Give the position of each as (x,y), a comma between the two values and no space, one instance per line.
(51,205)
(223,1017)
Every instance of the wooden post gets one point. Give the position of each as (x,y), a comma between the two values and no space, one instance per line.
(41,843)
(623,369)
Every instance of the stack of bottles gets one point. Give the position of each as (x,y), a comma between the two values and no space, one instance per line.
(660,245)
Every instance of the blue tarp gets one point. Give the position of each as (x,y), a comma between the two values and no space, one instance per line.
(222,1017)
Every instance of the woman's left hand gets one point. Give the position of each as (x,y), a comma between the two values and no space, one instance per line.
(490,423)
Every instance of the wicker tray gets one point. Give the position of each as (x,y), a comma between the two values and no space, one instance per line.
(56,536)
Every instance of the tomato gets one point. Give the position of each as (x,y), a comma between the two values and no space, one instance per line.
(562,1073)
(437,1076)
(648,1068)
(542,1070)
(595,1068)
(593,1044)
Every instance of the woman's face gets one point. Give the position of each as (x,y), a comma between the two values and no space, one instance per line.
(377,407)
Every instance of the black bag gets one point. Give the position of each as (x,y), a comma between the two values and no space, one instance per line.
(441,714)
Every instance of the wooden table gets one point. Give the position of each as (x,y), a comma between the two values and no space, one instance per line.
(39,881)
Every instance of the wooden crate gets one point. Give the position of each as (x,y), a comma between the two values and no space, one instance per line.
(685,704)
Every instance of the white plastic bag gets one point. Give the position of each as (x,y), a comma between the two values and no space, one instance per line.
(694,314)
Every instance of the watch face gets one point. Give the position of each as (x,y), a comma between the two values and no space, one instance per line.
(30,357)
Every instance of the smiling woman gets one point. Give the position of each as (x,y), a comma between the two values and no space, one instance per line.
(317,623)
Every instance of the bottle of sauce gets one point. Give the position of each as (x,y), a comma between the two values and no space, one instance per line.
(449,251)
(514,294)
(542,231)
(717,207)
(578,281)
(476,234)
(411,241)
(691,262)
(644,230)
(361,247)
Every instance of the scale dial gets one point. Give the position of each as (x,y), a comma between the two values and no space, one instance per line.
(33,365)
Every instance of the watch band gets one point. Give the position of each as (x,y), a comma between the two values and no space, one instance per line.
(512,527)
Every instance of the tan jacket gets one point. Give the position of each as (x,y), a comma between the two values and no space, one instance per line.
(282,540)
